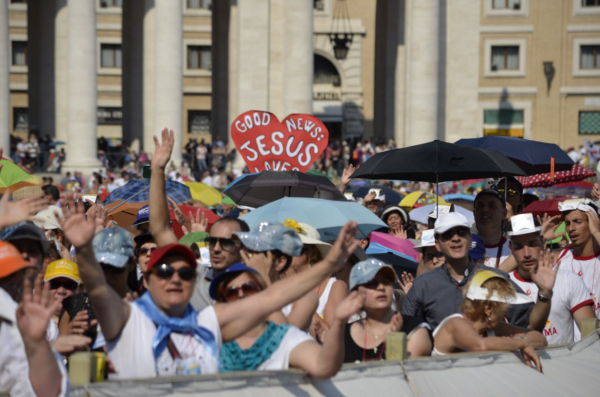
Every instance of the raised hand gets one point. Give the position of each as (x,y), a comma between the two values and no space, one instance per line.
(35,311)
(259,261)
(368,198)
(350,305)
(406,282)
(399,232)
(530,357)
(344,246)
(549,226)
(200,223)
(162,153)
(77,228)
(347,173)
(13,212)
(593,221)
(545,276)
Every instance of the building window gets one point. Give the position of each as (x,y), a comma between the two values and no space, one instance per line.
(325,72)
(19,53)
(506,4)
(199,4)
(589,122)
(319,5)
(199,121)
(590,57)
(111,3)
(199,57)
(504,122)
(505,58)
(109,116)
(20,119)
(590,3)
(110,56)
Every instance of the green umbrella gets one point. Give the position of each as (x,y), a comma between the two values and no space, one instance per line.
(13,177)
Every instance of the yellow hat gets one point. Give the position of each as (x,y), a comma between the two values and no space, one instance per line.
(62,268)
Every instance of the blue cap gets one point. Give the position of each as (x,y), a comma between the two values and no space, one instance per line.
(25,230)
(365,271)
(234,269)
(271,237)
(143,216)
(113,246)
(477,250)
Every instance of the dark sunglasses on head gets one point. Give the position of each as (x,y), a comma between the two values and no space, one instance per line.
(226,244)
(147,250)
(231,294)
(165,272)
(461,231)
(511,192)
(429,257)
(69,285)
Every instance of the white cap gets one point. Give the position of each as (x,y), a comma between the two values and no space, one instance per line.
(427,240)
(440,209)
(449,221)
(523,224)
(47,219)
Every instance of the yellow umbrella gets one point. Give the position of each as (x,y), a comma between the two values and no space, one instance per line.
(413,198)
(204,193)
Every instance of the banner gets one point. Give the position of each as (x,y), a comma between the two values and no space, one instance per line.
(266,143)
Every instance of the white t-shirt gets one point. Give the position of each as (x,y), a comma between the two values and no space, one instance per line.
(491,253)
(568,295)
(131,353)
(587,268)
(51,331)
(280,359)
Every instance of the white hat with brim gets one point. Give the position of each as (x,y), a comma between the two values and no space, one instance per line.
(479,293)
(427,240)
(47,219)
(523,224)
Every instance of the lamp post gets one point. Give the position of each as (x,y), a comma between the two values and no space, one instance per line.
(341,30)
(549,73)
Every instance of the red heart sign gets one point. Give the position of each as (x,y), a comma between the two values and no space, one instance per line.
(266,143)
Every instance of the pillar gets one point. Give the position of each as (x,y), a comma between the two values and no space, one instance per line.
(148,79)
(220,19)
(46,69)
(169,71)
(82,145)
(61,81)
(33,64)
(4,80)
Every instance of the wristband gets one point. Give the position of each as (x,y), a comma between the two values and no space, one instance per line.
(543,298)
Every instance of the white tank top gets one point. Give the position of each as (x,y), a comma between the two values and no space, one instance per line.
(435,352)
(325,296)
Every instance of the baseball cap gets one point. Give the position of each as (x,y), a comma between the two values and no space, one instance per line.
(500,183)
(365,271)
(113,246)
(477,292)
(427,240)
(523,224)
(62,268)
(308,235)
(47,218)
(11,260)
(143,238)
(234,269)
(449,221)
(477,250)
(159,253)
(143,216)
(271,237)
(25,230)
(489,192)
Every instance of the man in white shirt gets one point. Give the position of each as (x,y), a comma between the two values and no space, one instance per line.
(570,300)
(490,212)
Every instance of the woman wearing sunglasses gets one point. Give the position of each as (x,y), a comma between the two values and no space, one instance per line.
(161,334)
(269,346)
(365,338)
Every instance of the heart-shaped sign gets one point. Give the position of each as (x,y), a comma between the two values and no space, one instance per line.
(266,143)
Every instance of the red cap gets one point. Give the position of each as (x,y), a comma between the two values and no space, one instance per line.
(159,253)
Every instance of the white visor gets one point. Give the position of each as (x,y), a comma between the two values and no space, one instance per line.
(481,294)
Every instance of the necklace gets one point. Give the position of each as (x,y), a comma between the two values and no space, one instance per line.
(376,336)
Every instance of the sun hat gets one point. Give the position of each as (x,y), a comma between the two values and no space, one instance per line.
(47,219)
(234,269)
(11,260)
(477,292)
(180,249)
(394,208)
(271,237)
(113,246)
(62,268)
(365,271)
(439,210)
(308,235)
(577,204)
(449,221)
(427,240)
(523,224)
(27,192)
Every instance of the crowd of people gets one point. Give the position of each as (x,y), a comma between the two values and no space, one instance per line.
(277,296)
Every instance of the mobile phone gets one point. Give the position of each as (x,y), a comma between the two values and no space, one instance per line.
(146,172)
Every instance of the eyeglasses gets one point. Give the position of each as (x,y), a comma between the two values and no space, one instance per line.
(511,192)
(231,294)
(147,250)
(69,285)
(226,244)
(462,232)
(429,257)
(165,272)
(373,284)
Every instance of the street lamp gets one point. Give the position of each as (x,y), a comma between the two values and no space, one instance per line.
(341,30)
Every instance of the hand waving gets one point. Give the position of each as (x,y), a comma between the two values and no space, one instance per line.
(13,212)
(545,276)
(162,153)
(549,226)
(347,173)
(399,232)
(406,282)
(343,247)
(77,228)
(35,311)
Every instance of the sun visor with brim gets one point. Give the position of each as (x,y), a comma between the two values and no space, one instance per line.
(477,292)
(577,204)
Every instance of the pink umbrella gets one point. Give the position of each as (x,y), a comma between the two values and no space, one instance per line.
(397,244)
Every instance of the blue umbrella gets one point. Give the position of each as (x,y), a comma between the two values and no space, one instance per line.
(399,261)
(533,157)
(459,196)
(326,216)
(391,196)
(137,191)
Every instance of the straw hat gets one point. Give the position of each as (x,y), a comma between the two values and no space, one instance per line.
(27,192)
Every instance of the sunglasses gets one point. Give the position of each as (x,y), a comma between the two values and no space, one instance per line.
(462,232)
(511,192)
(146,250)
(429,257)
(68,285)
(373,284)
(226,244)
(231,294)
(165,272)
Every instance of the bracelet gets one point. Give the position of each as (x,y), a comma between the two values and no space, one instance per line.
(544,298)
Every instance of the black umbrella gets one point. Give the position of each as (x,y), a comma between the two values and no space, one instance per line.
(256,190)
(437,161)
(391,196)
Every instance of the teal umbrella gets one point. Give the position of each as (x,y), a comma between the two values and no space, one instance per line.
(326,216)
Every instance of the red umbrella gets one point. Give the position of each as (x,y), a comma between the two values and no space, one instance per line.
(210,216)
(577,173)
(578,185)
(549,207)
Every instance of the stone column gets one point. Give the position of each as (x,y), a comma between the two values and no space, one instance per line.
(169,71)
(82,145)
(33,64)
(298,57)
(61,80)
(422,71)
(149,79)
(132,81)
(4,80)
(220,19)
(46,68)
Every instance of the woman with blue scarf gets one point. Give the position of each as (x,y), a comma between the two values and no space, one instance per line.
(269,346)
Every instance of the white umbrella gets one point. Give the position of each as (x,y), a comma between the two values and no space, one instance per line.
(422,213)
